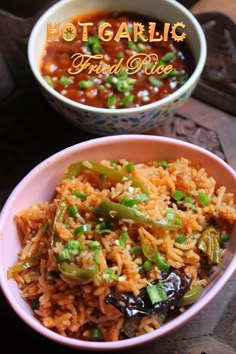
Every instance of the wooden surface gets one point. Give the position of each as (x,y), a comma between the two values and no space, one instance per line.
(30,131)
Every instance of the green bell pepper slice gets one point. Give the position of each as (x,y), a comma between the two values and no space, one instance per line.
(191,296)
(74,272)
(209,243)
(78,167)
(22,265)
(112,209)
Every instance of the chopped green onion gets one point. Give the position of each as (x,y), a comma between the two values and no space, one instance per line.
(101,87)
(224,238)
(136,250)
(101,22)
(203,198)
(85,84)
(188,199)
(48,80)
(163,164)
(180,239)
(183,79)
(168,57)
(128,99)
(172,73)
(104,227)
(45,227)
(123,238)
(81,229)
(172,216)
(94,44)
(111,102)
(129,202)
(94,245)
(95,333)
(141,46)
(142,197)
(129,167)
(147,265)
(109,275)
(79,194)
(122,86)
(156,293)
(132,46)
(160,262)
(65,80)
(72,211)
(120,55)
(178,195)
(154,81)
(122,74)
(74,247)
(64,254)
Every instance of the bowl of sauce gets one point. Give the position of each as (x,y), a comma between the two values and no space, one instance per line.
(112,68)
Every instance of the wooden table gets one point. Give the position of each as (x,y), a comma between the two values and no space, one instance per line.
(27,137)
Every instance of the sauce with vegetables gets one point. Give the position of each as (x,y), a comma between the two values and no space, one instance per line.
(121,88)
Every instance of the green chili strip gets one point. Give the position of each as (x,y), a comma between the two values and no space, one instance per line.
(191,296)
(74,272)
(22,265)
(78,167)
(60,213)
(108,208)
(70,270)
(209,243)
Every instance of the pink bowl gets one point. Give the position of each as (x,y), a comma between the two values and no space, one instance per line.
(39,185)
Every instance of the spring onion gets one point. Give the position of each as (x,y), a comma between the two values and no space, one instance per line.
(79,194)
(73,211)
(81,229)
(203,198)
(160,262)
(85,84)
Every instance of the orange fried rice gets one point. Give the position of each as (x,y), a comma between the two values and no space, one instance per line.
(107,234)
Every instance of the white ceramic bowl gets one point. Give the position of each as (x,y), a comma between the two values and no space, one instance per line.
(39,185)
(104,121)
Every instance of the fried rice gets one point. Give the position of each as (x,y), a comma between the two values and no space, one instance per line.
(97,262)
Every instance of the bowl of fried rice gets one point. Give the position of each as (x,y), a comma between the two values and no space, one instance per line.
(116,241)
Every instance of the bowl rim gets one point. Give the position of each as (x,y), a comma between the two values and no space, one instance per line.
(131,342)
(164,101)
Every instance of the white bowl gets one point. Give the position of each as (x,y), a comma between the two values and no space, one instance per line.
(104,121)
(39,186)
